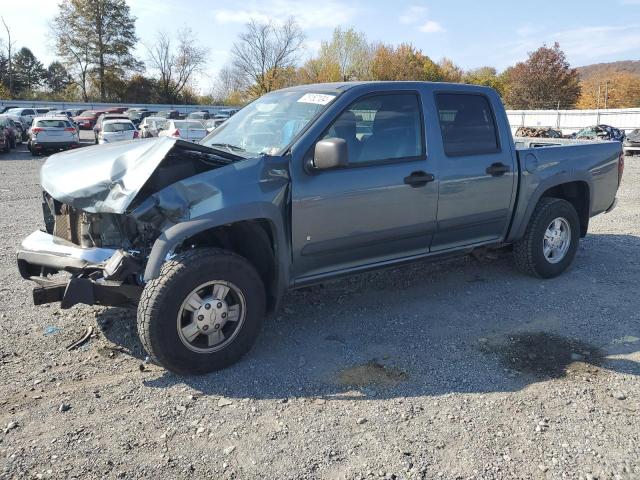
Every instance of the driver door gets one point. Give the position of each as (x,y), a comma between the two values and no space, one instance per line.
(373,211)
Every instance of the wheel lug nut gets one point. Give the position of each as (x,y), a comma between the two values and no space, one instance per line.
(216,326)
(200,317)
(219,304)
(207,306)
(224,315)
(205,327)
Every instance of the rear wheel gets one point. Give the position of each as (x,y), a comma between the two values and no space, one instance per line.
(203,312)
(551,239)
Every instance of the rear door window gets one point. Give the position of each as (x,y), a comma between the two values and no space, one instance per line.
(467,124)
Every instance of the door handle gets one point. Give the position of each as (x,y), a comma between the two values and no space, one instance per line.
(497,169)
(418,179)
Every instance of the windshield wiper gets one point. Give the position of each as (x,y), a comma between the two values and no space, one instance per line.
(228,146)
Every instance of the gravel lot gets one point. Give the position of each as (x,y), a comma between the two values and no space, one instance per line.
(464,369)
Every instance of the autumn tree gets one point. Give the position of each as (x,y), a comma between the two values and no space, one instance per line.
(545,80)
(319,70)
(264,52)
(176,62)
(450,71)
(487,76)
(612,90)
(350,51)
(97,35)
(403,62)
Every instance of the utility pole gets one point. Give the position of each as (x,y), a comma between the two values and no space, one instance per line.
(9,47)
(598,101)
(606,93)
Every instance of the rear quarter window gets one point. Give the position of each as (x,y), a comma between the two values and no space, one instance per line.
(467,124)
(52,124)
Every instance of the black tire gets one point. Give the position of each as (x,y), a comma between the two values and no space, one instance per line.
(528,251)
(162,299)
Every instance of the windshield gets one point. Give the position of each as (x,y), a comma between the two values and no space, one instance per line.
(118,127)
(268,124)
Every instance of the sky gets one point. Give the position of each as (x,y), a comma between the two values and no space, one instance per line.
(472,33)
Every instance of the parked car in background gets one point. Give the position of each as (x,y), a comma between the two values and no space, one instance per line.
(8,133)
(201,115)
(151,126)
(42,110)
(211,125)
(117,130)
(21,123)
(5,142)
(185,129)
(14,130)
(115,109)
(7,107)
(226,112)
(631,144)
(538,132)
(87,119)
(29,113)
(77,111)
(137,116)
(600,132)
(51,133)
(66,113)
(174,114)
(107,116)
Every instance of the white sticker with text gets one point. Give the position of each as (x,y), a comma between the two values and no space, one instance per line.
(317,98)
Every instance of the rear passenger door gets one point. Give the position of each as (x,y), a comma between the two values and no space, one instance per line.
(476,172)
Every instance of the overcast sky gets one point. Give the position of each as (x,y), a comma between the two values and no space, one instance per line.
(471,32)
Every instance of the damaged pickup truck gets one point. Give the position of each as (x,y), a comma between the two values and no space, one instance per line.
(301,186)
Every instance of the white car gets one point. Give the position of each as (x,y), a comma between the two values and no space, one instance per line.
(117,130)
(29,113)
(190,130)
(152,126)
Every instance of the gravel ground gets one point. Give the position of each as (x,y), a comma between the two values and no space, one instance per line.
(464,369)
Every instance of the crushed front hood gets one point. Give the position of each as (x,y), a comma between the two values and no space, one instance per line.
(103,178)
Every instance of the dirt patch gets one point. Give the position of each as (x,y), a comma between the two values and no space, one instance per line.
(544,354)
(371,373)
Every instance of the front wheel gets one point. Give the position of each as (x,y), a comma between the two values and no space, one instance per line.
(203,312)
(551,239)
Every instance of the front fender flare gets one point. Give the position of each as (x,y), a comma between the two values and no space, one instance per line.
(176,234)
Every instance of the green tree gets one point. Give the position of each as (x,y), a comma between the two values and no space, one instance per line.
(57,78)
(349,50)
(28,71)
(545,80)
(97,35)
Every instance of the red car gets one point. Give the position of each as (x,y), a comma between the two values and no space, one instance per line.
(116,109)
(86,120)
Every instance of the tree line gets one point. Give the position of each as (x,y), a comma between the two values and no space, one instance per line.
(96,44)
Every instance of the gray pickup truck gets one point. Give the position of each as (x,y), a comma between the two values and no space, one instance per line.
(301,186)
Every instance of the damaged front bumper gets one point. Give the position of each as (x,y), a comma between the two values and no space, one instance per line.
(94,272)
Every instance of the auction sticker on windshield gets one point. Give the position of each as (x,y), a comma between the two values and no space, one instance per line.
(317,98)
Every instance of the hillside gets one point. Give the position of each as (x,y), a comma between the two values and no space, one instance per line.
(599,70)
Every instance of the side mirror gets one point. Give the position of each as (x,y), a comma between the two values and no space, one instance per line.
(330,153)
